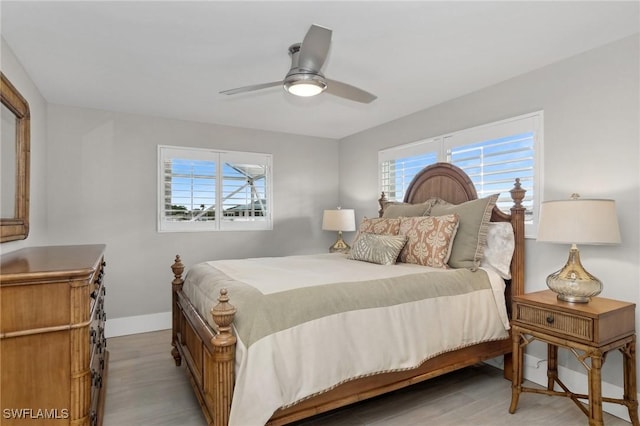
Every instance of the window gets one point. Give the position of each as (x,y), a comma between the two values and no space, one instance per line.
(493,155)
(208,190)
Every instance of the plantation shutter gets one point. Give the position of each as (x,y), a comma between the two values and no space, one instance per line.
(188,179)
(398,166)
(245,188)
(494,156)
(206,190)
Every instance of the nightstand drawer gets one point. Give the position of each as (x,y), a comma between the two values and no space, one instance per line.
(599,322)
(560,322)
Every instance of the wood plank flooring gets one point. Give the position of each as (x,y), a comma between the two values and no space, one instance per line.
(146,388)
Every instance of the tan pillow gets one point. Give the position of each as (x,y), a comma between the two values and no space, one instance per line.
(394,209)
(377,248)
(471,238)
(379,225)
(429,239)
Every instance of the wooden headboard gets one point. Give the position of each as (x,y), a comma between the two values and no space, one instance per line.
(452,184)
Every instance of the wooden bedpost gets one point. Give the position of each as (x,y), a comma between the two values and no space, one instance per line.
(517,221)
(382,200)
(222,377)
(517,261)
(176,286)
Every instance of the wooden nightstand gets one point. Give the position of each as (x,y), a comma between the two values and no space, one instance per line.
(589,331)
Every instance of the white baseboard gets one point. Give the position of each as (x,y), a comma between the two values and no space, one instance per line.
(535,370)
(138,324)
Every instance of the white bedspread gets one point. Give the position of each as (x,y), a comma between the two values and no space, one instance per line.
(296,362)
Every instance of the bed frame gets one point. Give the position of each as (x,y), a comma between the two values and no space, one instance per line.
(210,354)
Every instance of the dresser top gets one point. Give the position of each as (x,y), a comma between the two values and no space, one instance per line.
(49,261)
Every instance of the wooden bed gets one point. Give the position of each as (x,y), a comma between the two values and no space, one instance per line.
(210,355)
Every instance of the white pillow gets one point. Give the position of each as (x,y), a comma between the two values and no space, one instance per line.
(499,249)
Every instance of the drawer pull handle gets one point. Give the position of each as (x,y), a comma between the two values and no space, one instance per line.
(550,319)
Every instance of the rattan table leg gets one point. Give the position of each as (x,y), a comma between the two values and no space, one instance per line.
(516,380)
(552,365)
(630,387)
(595,390)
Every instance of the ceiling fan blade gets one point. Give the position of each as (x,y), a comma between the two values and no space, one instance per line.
(251,88)
(348,91)
(314,48)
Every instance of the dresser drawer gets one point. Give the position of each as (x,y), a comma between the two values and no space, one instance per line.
(560,322)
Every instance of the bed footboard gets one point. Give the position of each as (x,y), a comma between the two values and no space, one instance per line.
(209,354)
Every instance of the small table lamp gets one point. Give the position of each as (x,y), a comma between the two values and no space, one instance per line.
(577,221)
(339,220)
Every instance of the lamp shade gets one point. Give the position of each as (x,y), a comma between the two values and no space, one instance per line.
(339,220)
(579,221)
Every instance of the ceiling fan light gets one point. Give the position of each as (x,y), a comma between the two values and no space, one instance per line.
(305,89)
(305,85)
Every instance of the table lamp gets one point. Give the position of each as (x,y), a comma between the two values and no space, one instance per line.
(339,220)
(577,221)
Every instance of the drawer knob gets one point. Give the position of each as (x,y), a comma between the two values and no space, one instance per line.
(550,319)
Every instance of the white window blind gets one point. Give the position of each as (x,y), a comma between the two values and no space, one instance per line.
(244,191)
(493,155)
(494,165)
(207,190)
(396,174)
(189,188)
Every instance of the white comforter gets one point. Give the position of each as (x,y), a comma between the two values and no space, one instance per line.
(294,363)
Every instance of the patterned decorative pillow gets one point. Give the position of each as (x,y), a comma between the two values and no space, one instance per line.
(429,239)
(380,225)
(377,248)
(471,238)
(499,249)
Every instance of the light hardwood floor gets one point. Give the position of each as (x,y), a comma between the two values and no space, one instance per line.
(145,388)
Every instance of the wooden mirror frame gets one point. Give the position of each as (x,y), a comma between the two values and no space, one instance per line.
(17,227)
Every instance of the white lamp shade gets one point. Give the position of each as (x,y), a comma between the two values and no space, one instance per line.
(339,220)
(579,221)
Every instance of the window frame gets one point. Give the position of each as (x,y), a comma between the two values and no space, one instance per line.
(219,157)
(486,132)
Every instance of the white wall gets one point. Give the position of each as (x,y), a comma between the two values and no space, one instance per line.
(591,146)
(102,169)
(16,74)
(93,176)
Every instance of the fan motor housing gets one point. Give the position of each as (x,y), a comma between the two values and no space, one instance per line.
(302,76)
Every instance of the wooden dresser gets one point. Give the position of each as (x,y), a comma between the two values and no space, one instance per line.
(53,357)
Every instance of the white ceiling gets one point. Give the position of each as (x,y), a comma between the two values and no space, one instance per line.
(171,59)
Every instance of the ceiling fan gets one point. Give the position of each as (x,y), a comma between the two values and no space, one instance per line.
(304,78)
